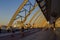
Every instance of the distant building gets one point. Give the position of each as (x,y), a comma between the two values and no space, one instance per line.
(3,26)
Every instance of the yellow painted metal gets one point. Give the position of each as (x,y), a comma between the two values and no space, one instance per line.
(35,24)
(57,24)
(23,21)
(41,21)
(38,19)
(19,9)
(41,15)
(30,12)
(16,13)
(35,21)
(29,24)
(34,16)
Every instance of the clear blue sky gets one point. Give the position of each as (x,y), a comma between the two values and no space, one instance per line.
(8,8)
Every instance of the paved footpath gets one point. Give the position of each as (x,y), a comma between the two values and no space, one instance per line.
(41,35)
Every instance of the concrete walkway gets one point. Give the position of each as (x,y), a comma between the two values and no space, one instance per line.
(41,35)
(37,35)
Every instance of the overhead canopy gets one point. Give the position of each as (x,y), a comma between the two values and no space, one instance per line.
(55,8)
(50,8)
(45,8)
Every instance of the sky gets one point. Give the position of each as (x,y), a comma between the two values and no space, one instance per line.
(7,9)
